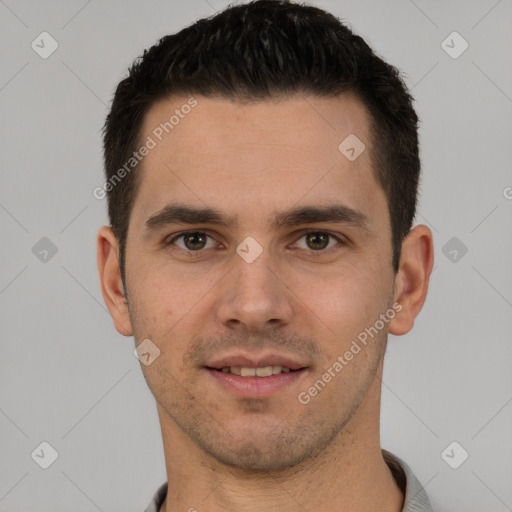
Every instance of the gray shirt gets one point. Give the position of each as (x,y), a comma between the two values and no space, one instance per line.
(416,499)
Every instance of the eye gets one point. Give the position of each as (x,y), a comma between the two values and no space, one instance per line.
(193,241)
(319,240)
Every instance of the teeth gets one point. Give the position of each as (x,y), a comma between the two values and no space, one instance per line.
(265,371)
(248,372)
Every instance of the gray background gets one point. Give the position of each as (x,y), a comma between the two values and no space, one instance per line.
(68,378)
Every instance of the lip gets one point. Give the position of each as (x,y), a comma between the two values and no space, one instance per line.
(257,361)
(255,387)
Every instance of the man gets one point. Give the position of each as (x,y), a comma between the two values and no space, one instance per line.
(262,170)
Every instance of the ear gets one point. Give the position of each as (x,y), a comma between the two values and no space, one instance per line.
(111,282)
(411,281)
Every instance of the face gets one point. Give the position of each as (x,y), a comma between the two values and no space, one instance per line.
(287,263)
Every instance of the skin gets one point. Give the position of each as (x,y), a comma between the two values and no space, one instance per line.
(252,161)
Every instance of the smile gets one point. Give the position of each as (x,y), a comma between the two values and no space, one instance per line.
(264,371)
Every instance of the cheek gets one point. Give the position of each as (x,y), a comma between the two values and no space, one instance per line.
(154,308)
(166,304)
(344,303)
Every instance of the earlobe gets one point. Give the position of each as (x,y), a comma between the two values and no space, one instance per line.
(412,279)
(111,282)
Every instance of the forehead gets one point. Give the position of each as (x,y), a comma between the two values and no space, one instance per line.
(306,124)
(224,153)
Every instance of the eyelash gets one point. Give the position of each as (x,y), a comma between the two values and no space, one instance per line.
(312,251)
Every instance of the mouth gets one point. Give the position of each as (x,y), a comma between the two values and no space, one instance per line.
(262,371)
(251,377)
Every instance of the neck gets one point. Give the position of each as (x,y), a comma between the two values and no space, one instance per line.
(348,475)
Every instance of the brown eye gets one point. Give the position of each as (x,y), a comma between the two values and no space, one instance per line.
(318,241)
(192,241)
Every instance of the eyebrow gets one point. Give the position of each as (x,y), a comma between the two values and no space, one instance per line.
(185,214)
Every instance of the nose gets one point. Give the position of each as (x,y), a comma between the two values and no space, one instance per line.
(253,296)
